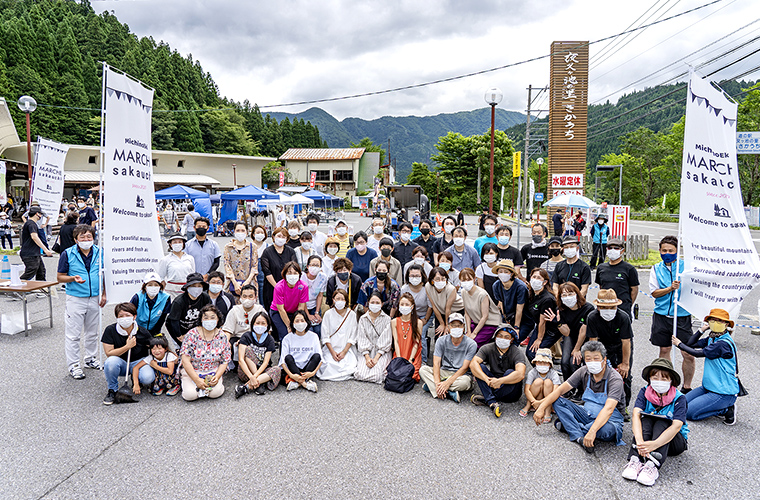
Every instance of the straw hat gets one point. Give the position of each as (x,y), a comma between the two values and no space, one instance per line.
(607,297)
(720,314)
(544,355)
(504,264)
(662,364)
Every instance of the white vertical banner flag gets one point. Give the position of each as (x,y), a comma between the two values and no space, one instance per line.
(3,196)
(131,241)
(47,187)
(721,263)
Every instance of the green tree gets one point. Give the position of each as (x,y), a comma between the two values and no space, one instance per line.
(368,145)
(749,165)
(223,132)
(270,174)
(422,176)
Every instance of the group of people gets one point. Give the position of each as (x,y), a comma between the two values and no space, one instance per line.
(342,307)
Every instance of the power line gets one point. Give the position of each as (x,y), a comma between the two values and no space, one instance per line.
(628,27)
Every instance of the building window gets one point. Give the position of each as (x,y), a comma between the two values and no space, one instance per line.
(343,175)
(155,162)
(322,175)
(93,159)
(181,164)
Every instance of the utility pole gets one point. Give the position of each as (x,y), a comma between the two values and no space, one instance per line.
(526,163)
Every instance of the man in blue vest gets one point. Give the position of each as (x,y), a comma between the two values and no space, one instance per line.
(665,288)
(600,233)
(79,268)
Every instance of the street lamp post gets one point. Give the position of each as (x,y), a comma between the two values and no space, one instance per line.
(540,161)
(234,175)
(493,97)
(27,105)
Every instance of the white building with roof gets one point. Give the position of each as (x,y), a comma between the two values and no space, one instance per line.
(338,171)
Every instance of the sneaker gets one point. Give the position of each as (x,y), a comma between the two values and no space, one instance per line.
(260,390)
(76,371)
(92,364)
(293,385)
(158,392)
(240,390)
(648,474)
(109,399)
(631,471)
(311,386)
(627,416)
(454,396)
(173,391)
(730,415)
(496,409)
(586,448)
(478,400)
(40,295)
(425,388)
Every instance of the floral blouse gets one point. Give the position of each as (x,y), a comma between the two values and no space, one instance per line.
(206,356)
(390,295)
(239,263)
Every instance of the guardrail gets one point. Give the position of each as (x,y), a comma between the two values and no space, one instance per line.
(644,215)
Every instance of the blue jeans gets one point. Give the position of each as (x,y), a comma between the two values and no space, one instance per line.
(507,393)
(576,421)
(278,325)
(115,367)
(704,404)
(315,328)
(549,340)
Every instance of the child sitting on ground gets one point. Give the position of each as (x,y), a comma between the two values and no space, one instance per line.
(163,363)
(540,382)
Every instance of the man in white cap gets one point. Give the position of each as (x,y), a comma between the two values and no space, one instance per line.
(451,361)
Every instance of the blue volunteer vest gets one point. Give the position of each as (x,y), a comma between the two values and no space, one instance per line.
(667,411)
(600,233)
(147,317)
(664,305)
(91,285)
(720,374)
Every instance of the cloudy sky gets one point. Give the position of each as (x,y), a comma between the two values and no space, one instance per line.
(274,52)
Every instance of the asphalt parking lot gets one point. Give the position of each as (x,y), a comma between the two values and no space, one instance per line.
(349,440)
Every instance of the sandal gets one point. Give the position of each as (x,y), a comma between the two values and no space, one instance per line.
(547,419)
(523,413)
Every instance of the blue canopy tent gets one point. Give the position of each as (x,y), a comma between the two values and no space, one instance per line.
(246,193)
(200,199)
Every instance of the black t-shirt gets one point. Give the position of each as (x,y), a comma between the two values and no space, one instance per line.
(610,333)
(620,277)
(540,304)
(442,244)
(574,319)
(188,312)
(578,273)
(512,254)
(482,222)
(28,247)
(497,363)
(139,351)
(429,245)
(260,349)
(223,305)
(534,257)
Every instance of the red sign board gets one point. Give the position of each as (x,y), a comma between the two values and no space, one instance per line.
(312,180)
(282,179)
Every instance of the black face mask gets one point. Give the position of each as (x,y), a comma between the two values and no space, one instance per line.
(553,252)
(201,231)
(382,275)
(386,252)
(537,238)
(425,231)
(342,276)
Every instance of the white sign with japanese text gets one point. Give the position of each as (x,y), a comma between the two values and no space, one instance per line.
(748,143)
(560,181)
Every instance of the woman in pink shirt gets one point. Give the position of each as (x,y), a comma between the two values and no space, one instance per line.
(290,295)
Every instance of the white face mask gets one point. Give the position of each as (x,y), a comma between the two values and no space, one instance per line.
(570,300)
(125,322)
(209,324)
(152,291)
(82,205)
(340,304)
(614,253)
(405,236)
(415,280)
(195,291)
(293,233)
(502,343)
(439,285)
(404,310)
(420,261)
(660,386)
(489,258)
(215,288)
(312,227)
(306,245)
(279,241)
(467,285)
(570,253)
(458,241)
(85,245)
(377,229)
(248,303)
(300,326)
(314,270)
(542,369)
(292,279)
(594,367)
(177,247)
(240,235)
(457,332)
(375,308)
(259,236)
(608,314)
(536,284)
(259,329)
(490,229)
(360,247)
(505,277)
(448,229)
(341,231)
(445,266)
(332,250)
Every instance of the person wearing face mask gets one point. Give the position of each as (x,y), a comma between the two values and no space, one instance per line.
(361,256)
(6,229)
(404,247)
(540,382)
(426,239)
(611,326)
(260,244)
(222,299)
(188,222)
(481,315)
(485,275)
(87,214)
(255,350)
(572,269)
(332,247)
(205,356)
(377,235)
(152,303)
(169,217)
(464,255)
(304,250)
(506,250)
(385,286)
(415,286)
(555,256)
(294,234)
(451,361)
(186,309)
(541,300)
(601,416)
(489,226)
(499,369)
(339,330)
(31,245)
(123,341)
(203,250)
(343,278)
(445,260)
(290,295)
(571,319)
(659,423)
(600,233)
(79,268)
(241,260)
(394,266)
(345,241)
(537,251)
(720,377)
(273,261)
(619,275)
(665,289)
(419,258)
(446,239)
(511,295)
(175,266)
(318,238)
(444,300)
(406,329)
(239,317)
(300,355)
(316,281)
(374,341)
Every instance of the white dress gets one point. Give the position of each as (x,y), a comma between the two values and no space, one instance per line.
(338,338)
(372,339)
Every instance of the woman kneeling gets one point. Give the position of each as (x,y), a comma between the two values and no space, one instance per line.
(205,355)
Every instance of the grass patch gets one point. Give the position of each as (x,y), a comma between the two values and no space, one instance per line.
(652,259)
(3,251)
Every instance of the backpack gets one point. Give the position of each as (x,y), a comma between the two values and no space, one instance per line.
(399,377)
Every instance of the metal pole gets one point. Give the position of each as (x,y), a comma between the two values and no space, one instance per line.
(490,186)
(620,188)
(538,205)
(524,174)
(29,153)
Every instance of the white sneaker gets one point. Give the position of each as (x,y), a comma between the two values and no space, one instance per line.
(93,364)
(648,474)
(311,386)
(293,385)
(631,471)
(76,371)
